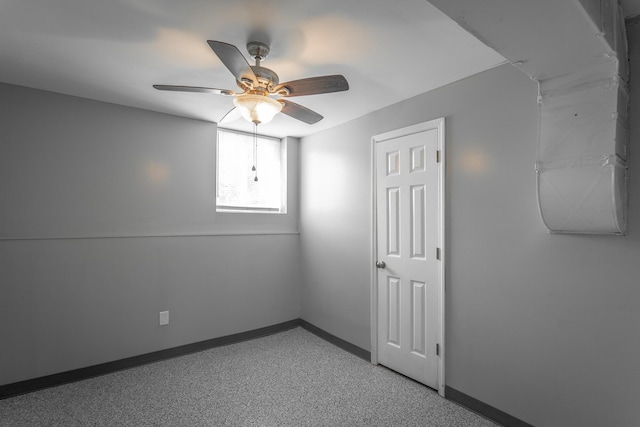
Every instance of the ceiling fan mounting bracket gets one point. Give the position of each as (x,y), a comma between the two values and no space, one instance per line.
(258,50)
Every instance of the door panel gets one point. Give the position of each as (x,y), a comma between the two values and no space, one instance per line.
(418,317)
(393,221)
(407,237)
(393,323)
(417,222)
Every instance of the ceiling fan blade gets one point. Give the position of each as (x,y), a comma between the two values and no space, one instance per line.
(314,85)
(231,116)
(194,89)
(233,60)
(299,112)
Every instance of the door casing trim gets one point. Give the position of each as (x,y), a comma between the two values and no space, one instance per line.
(438,124)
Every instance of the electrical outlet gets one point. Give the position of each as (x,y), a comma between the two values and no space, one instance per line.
(164,318)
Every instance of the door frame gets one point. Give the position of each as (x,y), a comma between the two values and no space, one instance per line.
(438,124)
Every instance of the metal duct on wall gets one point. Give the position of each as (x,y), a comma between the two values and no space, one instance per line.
(577,51)
(583,135)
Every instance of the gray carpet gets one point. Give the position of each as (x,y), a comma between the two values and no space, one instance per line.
(292,378)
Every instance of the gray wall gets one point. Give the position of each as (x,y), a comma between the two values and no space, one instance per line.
(543,327)
(108,217)
(71,167)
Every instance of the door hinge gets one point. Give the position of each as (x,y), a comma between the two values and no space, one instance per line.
(437,349)
(438,253)
(437,156)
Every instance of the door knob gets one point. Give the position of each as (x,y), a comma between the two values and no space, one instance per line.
(380,264)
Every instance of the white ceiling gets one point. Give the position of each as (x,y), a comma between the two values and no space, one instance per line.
(630,7)
(115,50)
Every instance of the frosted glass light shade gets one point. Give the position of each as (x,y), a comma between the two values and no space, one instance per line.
(257,108)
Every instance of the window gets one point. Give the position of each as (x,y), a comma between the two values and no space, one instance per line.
(237,190)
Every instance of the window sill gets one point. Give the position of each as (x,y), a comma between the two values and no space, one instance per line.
(250,211)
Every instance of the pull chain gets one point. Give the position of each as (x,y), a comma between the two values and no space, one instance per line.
(255,151)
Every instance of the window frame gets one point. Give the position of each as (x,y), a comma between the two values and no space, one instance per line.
(225,209)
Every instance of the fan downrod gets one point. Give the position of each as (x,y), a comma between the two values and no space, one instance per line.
(267,78)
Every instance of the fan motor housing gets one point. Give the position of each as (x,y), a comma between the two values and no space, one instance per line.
(265,75)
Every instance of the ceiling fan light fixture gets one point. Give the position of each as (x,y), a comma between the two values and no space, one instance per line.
(258,109)
(259,83)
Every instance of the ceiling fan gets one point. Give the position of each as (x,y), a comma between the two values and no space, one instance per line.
(261,95)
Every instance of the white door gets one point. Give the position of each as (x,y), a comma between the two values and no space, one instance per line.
(408,251)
